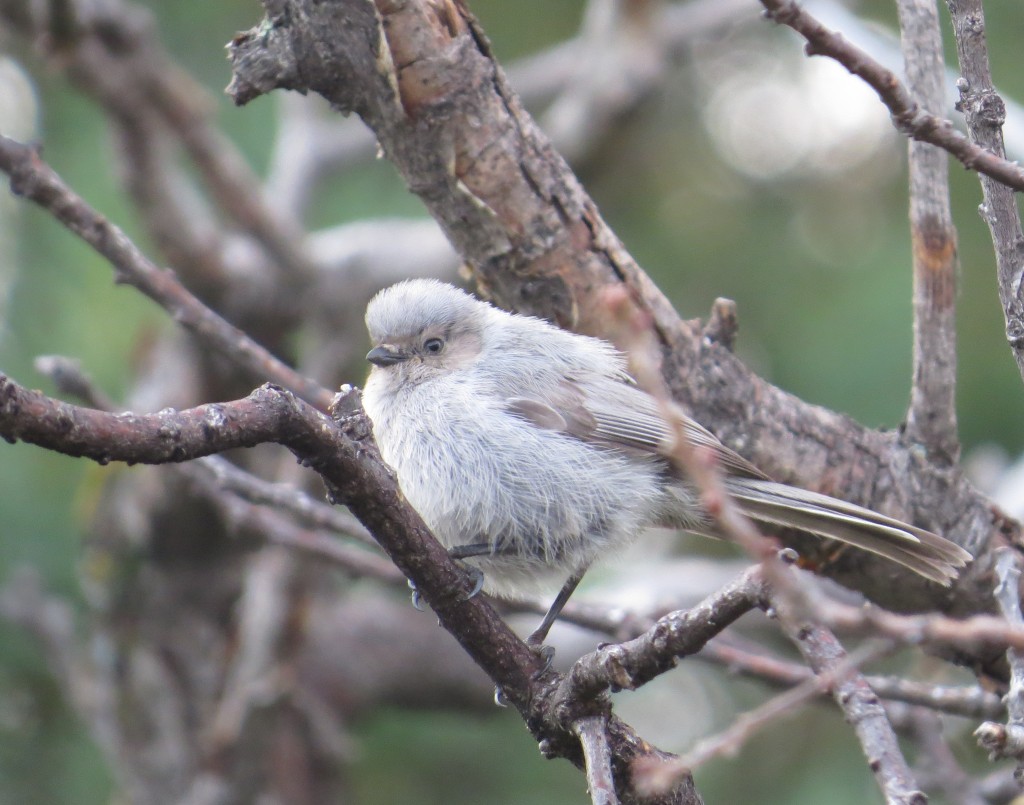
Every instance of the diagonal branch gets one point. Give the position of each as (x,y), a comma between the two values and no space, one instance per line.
(33,179)
(908,116)
(863,712)
(631,664)
(342,451)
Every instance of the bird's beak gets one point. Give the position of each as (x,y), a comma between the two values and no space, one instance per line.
(385,355)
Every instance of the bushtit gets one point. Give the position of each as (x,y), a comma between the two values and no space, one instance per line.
(529,451)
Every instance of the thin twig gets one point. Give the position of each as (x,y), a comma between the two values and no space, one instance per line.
(757,663)
(936,766)
(1007,740)
(728,742)
(907,115)
(698,466)
(300,505)
(985,112)
(32,178)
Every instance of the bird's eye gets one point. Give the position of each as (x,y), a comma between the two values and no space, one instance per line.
(433,345)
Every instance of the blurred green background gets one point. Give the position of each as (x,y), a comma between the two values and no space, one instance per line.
(813,246)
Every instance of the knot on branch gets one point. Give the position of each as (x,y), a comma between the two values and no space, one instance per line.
(262,60)
(723,324)
(1001,740)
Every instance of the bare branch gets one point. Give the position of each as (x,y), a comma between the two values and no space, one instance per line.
(931,419)
(936,766)
(277,529)
(35,180)
(862,711)
(984,111)
(1007,740)
(907,115)
(730,740)
(300,505)
(629,665)
(972,702)
(592,732)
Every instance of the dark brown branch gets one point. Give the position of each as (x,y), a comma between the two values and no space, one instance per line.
(908,116)
(35,180)
(351,467)
(168,436)
(984,112)
(347,459)
(931,418)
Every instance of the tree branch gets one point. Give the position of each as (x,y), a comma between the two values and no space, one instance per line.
(631,664)
(931,419)
(343,453)
(863,712)
(972,702)
(984,111)
(35,180)
(907,115)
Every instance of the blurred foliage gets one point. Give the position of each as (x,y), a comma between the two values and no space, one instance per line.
(819,267)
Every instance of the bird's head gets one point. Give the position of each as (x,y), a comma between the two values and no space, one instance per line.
(424,328)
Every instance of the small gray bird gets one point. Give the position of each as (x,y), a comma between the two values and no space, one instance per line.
(530,452)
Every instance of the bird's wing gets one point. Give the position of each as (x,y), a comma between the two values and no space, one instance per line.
(618,415)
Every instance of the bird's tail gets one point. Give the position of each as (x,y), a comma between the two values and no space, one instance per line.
(923,552)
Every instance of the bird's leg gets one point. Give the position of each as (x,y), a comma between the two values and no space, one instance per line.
(460,552)
(537,637)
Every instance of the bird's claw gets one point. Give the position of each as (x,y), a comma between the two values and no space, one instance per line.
(546,653)
(417,600)
(476,576)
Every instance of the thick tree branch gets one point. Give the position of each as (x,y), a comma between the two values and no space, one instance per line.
(423,78)
(631,664)
(349,463)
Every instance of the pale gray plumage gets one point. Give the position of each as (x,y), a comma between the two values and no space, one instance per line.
(506,430)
